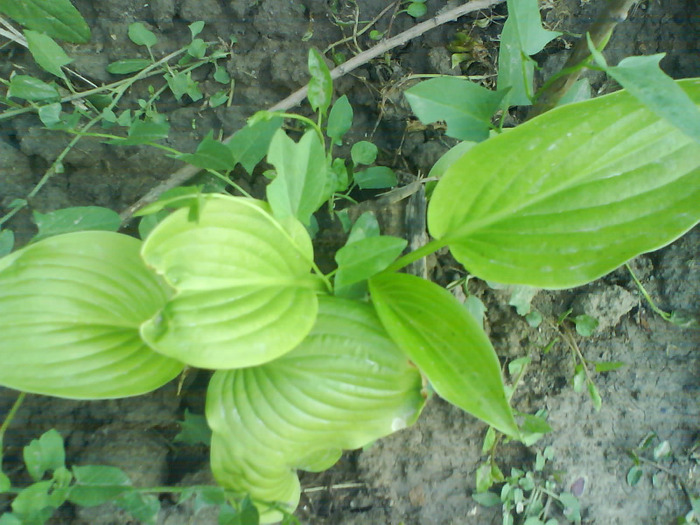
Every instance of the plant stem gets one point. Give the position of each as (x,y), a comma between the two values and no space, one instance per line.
(413,256)
(665,315)
(10,417)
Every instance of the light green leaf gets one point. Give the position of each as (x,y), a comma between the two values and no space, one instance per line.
(196,28)
(57,18)
(47,53)
(320,88)
(50,115)
(79,218)
(464,106)
(531,35)
(570,195)
(45,453)
(5,482)
(244,292)
(452,155)
(339,120)
(344,386)
(250,144)
(442,338)
(70,308)
(128,65)
(364,258)
(416,9)
(30,88)
(300,186)
(643,78)
(141,36)
(365,226)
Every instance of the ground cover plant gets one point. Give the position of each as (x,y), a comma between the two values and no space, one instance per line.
(230,283)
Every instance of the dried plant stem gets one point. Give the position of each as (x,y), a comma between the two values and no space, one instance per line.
(187,172)
(614,12)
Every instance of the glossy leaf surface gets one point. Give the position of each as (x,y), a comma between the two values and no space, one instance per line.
(344,386)
(444,340)
(70,310)
(244,291)
(570,195)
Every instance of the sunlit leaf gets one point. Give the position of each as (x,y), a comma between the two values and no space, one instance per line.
(448,345)
(344,386)
(244,291)
(250,143)
(47,53)
(56,18)
(70,310)
(570,195)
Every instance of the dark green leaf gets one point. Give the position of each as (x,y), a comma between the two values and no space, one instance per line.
(221,75)
(194,430)
(143,132)
(30,88)
(47,53)
(364,258)
(148,222)
(128,65)
(365,226)
(464,106)
(363,152)
(339,120)
(45,453)
(7,242)
(376,177)
(320,88)
(56,18)
(416,9)
(487,499)
(438,334)
(143,507)
(642,77)
(50,115)
(250,144)
(80,218)
(141,36)
(210,154)
(97,484)
(634,475)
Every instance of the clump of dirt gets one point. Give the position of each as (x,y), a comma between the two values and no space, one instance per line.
(425,474)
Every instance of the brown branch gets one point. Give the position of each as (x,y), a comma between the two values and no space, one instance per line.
(612,14)
(188,171)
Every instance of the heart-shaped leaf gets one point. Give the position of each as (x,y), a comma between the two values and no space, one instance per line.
(344,386)
(570,195)
(445,341)
(70,311)
(244,291)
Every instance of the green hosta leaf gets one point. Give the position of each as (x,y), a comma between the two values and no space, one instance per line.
(45,453)
(344,386)
(244,292)
(464,106)
(339,120)
(442,338)
(30,88)
(70,310)
(79,218)
(56,18)
(320,88)
(128,65)
(643,78)
(570,195)
(47,53)
(301,184)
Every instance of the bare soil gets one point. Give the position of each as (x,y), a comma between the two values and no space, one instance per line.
(425,474)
